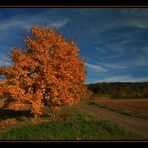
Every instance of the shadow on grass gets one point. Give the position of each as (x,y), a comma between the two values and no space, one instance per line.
(9,114)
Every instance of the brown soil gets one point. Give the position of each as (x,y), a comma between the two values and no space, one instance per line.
(131,105)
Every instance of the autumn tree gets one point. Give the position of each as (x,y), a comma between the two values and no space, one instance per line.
(49,72)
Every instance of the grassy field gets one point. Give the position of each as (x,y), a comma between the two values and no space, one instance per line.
(67,124)
(131,107)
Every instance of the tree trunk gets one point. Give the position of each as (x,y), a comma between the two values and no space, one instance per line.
(36,116)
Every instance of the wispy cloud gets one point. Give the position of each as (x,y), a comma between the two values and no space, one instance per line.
(134,62)
(100,49)
(114,41)
(140,61)
(134,11)
(117,79)
(18,21)
(62,23)
(113,66)
(135,17)
(139,23)
(127,78)
(96,67)
(37,20)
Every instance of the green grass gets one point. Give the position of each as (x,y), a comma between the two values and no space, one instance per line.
(69,124)
(128,113)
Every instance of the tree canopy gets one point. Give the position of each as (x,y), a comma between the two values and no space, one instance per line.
(49,72)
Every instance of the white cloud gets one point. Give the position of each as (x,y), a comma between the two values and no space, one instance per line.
(27,21)
(18,21)
(135,17)
(131,62)
(127,78)
(96,67)
(62,23)
(139,23)
(134,11)
(117,79)
(114,66)
(100,50)
(129,11)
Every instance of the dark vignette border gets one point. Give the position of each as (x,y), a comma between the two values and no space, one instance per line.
(74,3)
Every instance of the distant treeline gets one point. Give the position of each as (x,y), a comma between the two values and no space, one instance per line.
(117,90)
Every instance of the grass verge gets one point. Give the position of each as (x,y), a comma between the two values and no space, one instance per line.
(69,124)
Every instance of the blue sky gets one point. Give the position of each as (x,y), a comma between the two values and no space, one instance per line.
(114,41)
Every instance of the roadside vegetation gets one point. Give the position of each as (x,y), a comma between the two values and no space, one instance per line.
(68,124)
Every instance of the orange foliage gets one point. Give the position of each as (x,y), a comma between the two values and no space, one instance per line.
(48,73)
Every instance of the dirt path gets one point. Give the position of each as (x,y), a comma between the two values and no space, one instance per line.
(139,126)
